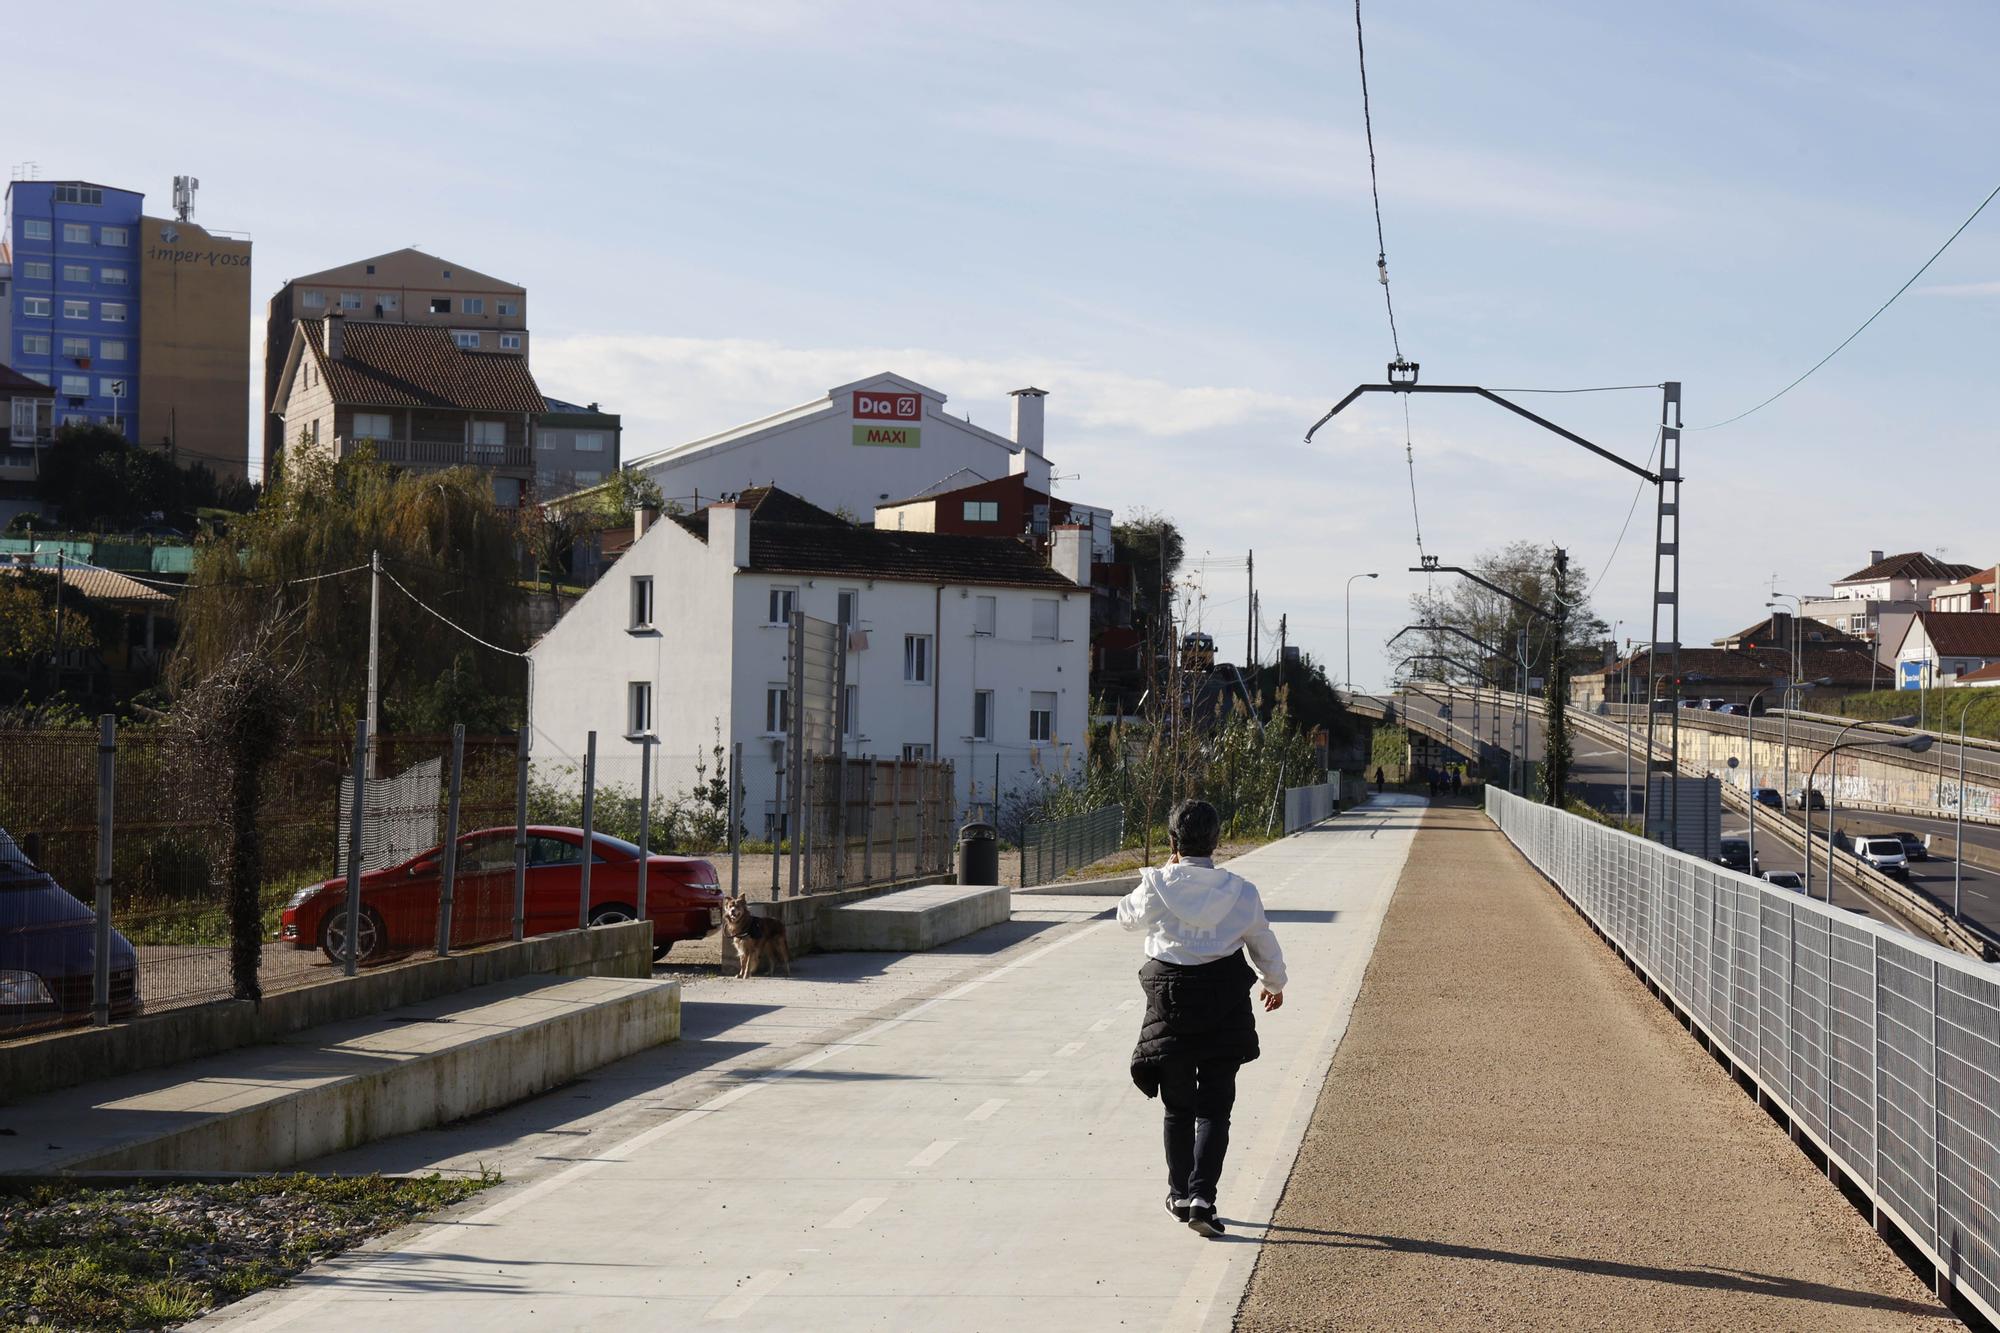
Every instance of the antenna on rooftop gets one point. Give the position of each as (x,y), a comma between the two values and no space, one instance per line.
(184,188)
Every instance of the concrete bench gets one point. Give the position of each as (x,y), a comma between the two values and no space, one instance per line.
(344,1084)
(910,920)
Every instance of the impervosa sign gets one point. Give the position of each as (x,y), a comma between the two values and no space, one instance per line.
(870,405)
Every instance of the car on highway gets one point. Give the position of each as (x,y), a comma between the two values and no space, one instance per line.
(399,903)
(1734,710)
(1806,798)
(1913,847)
(1785,879)
(1883,853)
(48,952)
(1770,796)
(1735,853)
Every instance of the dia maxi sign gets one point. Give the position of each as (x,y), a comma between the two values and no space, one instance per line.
(887,410)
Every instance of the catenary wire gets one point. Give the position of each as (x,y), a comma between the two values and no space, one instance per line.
(1374,187)
(1626,526)
(1713,425)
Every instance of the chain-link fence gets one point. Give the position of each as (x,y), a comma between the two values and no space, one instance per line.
(1053,849)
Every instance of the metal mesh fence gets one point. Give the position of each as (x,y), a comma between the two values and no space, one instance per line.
(875,821)
(1305,806)
(1881,1048)
(1053,849)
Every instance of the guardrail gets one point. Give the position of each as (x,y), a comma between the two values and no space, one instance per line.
(1305,806)
(1875,1046)
(1812,734)
(1053,849)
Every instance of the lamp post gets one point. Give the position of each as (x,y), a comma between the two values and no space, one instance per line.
(1914,744)
(1350,624)
(1958,836)
(1430,565)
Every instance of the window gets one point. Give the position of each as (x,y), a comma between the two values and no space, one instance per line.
(982,715)
(982,511)
(111,277)
(851,699)
(76,233)
(76,386)
(110,349)
(385,305)
(489,437)
(777,710)
(111,312)
(35,306)
(76,310)
(849,604)
(587,478)
(35,270)
(76,273)
(774,823)
(510,342)
(1041,715)
(34,229)
(313,300)
(985,614)
(639,708)
(38,376)
(371,270)
(76,419)
(109,388)
(89,195)
(473,305)
(37,344)
(24,419)
(917,658)
(350,300)
(915,752)
(783,600)
(1048,617)
(507,307)
(72,347)
(373,426)
(588,442)
(466,339)
(642,601)
(440,305)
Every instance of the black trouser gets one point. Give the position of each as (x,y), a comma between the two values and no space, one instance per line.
(1198,1095)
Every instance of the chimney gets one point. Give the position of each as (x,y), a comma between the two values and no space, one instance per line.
(642,519)
(1069,552)
(1874,557)
(1028,417)
(335,342)
(729,532)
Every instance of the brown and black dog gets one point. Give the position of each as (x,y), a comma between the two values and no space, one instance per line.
(760,940)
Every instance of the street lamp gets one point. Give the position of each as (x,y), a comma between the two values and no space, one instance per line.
(1430,565)
(1958,799)
(1914,744)
(1350,624)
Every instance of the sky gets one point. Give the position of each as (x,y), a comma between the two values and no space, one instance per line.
(1160,213)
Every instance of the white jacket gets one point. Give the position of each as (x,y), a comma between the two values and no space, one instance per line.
(1194,913)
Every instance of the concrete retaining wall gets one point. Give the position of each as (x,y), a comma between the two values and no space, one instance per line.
(1903,784)
(64,1059)
(915,919)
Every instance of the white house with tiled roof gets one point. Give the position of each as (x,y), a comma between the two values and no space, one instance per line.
(862,444)
(1939,647)
(1878,601)
(968,649)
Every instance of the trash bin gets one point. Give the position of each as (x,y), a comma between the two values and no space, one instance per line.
(978,854)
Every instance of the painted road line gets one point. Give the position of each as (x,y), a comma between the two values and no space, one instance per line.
(753,1289)
(1033,1076)
(985,1109)
(930,1155)
(859,1209)
(1100,1025)
(1070,1049)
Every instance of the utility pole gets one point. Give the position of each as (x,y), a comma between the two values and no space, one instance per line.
(1281,650)
(374,659)
(1250,630)
(1555,724)
(59,592)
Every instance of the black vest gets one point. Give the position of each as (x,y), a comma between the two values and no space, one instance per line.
(1199,1011)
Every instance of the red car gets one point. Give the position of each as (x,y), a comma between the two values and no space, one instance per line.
(399,904)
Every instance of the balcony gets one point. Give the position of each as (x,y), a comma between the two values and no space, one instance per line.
(442,453)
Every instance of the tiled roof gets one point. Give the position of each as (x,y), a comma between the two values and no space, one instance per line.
(1764,633)
(1962,633)
(418,365)
(790,536)
(13,381)
(1990,672)
(1910,565)
(106,585)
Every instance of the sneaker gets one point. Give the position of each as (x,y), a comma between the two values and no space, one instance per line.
(1178,1207)
(1202,1218)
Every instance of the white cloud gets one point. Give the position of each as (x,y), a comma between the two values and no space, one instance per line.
(1961,289)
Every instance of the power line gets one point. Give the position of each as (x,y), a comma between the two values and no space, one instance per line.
(1864,323)
(1634,508)
(447,619)
(1374,187)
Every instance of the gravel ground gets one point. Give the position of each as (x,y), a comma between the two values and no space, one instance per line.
(1515,1134)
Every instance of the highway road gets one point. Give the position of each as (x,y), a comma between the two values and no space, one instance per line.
(1598,777)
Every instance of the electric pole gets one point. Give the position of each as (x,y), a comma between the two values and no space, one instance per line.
(1250,630)
(374,658)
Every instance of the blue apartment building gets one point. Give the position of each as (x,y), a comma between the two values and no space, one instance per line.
(75,297)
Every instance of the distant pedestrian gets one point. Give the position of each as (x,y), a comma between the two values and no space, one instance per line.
(1378,778)
(1457,781)
(1199,1027)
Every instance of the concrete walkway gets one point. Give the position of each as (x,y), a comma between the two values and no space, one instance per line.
(1515,1134)
(944,1140)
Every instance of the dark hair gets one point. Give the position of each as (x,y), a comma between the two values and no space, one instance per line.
(1194,828)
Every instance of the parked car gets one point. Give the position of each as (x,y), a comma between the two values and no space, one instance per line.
(1914,848)
(1735,853)
(1807,798)
(1785,879)
(1883,853)
(399,904)
(1770,796)
(48,952)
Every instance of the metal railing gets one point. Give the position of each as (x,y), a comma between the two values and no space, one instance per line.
(439,453)
(1306,806)
(1878,1047)
(1051,850)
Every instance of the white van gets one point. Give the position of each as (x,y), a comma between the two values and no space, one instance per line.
(1885,854)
